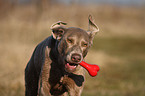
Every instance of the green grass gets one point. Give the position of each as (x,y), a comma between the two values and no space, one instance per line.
(124,78)
(120,45)
(117,80)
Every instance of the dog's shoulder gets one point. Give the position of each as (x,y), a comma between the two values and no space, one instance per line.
(39,53)
(46,42)
(49,41)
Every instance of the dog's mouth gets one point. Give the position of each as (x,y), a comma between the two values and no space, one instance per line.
(70,67)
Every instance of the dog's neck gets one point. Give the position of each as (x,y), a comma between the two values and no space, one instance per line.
(54,51)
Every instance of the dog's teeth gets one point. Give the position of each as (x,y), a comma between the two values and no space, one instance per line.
(70,66)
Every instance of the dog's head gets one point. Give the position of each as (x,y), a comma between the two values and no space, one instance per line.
(73,43)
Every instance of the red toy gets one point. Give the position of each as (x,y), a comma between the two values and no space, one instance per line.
(92,69)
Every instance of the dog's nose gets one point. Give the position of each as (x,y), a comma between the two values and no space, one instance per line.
(76,57)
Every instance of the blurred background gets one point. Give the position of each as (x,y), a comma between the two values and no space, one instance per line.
(119,47)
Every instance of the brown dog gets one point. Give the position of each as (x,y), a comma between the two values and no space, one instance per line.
(54,66)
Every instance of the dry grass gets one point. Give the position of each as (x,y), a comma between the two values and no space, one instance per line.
(118,49)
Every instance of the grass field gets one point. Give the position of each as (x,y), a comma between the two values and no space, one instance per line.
(119,47)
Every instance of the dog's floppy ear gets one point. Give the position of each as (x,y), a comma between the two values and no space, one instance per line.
(58,29)
(92,28)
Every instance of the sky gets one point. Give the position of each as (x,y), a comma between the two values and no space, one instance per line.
(119,2)
(135,2)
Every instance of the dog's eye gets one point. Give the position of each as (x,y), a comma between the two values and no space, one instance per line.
(84,44)
(69,40)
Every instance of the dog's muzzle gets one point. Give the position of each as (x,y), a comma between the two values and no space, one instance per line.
(72,62)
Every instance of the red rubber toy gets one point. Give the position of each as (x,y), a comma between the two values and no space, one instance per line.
(92,69)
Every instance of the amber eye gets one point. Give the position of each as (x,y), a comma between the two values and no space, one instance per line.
(70,40)
(84,44)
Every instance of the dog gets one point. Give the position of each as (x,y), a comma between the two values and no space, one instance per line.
(54,69)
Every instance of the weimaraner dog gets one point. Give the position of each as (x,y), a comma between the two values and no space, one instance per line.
(54,69)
